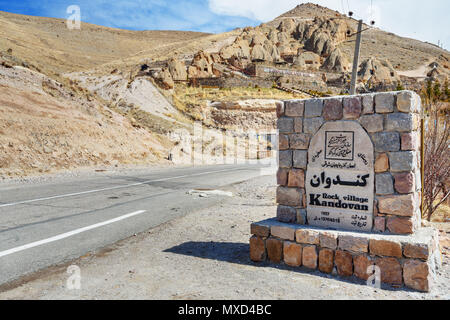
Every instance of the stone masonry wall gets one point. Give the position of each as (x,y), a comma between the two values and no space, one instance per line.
(392,121)
(403,260)
(233,82)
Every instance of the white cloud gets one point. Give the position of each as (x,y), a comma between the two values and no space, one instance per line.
(265,10)
(262,10)
(423,20)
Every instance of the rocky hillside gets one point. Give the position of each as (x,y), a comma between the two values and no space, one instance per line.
(48,45)
(67,101)
(314,38)
(308,44)
(46,126)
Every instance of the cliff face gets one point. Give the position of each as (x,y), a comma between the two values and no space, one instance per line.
(308,31)
(308,44)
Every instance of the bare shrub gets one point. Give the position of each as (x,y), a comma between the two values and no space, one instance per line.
(437,157)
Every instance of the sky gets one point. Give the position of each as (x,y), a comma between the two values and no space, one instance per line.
(423,20)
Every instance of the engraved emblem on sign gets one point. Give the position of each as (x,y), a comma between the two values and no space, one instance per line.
(339,145)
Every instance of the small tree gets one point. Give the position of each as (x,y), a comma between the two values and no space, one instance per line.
(437,90)
(437,155)
(400,86)
(446,90)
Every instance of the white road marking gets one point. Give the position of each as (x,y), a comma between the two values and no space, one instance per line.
(210,192)
(111,188)
(69,234)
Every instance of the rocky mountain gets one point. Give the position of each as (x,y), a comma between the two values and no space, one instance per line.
(314,38)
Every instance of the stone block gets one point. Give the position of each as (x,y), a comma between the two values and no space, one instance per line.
(294,108)
(416,251)
(298,125)
(257,249)
(313,108)
(361,263)
(328,240)
(292,197)
(301,217)
(391,270)
(398,205)
(299,141)
(384,102)
(285,125)
(312,125)
(282,177)
(353,244)
(274,250)
(375,208)
(352,108)
(402,161)
(283,232)
(404,182)
(410,141)
(283,142)
(386,141)
(344,263)
(296,178)
(417,276)
(300,159)
(286,214)
(372,123)
(379,224)
(280,108)
(305,236)
(400,122)
(260,230)
(417,121)
(309,258)
(406,102)
(333,110)
(367,103)
(285,159)
(400,225)
(292,253)
(385,248)
(384,184)
(382,163)
(418,180)
(326,260)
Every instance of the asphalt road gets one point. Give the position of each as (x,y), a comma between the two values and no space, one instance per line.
(50,223)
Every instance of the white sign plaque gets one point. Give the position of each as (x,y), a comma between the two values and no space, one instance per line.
(340,177)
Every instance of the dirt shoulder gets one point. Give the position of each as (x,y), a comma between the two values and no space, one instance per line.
(205,256)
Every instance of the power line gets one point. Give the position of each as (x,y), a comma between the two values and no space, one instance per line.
(371,10)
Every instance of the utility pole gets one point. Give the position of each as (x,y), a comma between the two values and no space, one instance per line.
(356,58)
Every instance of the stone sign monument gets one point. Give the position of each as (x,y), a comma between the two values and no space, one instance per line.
(349,191)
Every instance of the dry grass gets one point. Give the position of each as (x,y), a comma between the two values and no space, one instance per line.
(442,214)
(198,96)
(192,101)
(153,124)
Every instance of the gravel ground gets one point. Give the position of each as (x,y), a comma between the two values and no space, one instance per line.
(204,256)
